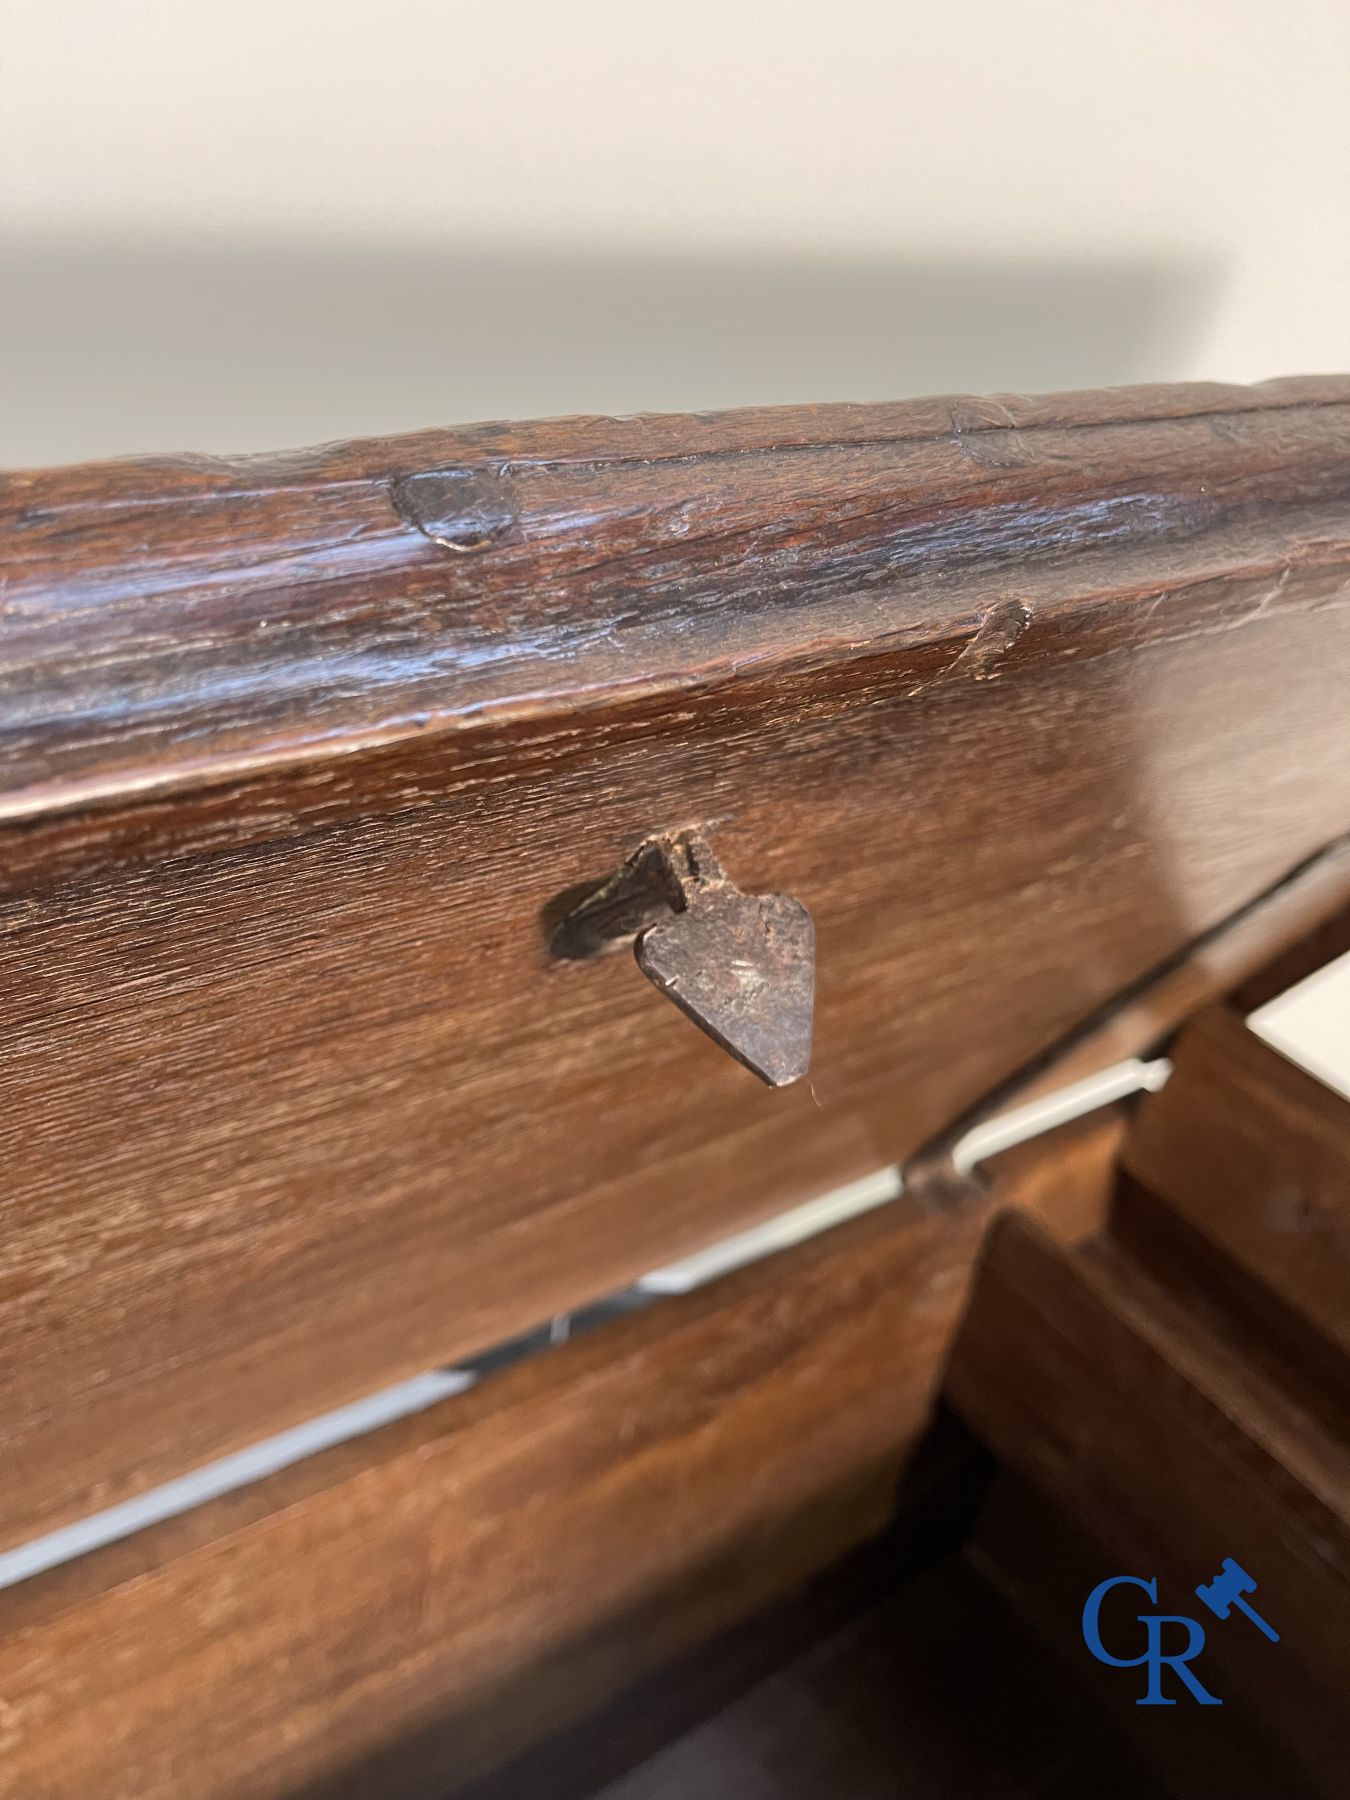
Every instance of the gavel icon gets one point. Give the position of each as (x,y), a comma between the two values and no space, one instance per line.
(1226,1591)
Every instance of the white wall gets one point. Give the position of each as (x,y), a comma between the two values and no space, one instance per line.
(309,217)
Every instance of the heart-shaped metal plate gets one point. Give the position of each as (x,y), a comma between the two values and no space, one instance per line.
(742,967)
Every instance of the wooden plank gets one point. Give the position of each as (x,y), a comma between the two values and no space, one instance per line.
(234,616)
(1304,916)
(937,1690)
(397,1615)
(1311,950)
(1244,1159)
(292,1101)
(1045,1566)
(406,1613)
(1166,1448)
(1065,1179)
(936,1501)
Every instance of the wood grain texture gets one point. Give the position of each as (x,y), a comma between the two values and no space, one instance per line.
(1240,1197)
(1304,915)
(292,1101)
(1172,1452)
(176,622)
(643,551)
(397,1616)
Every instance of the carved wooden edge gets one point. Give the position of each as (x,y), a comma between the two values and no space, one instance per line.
(664,437)
(244,630)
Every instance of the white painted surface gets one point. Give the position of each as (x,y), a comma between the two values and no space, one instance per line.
(1311,1023)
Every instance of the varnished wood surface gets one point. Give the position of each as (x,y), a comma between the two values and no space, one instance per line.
(1162,1439)
(406,1614)
(394,1617)
(1310,951)
(1253,1153)
(1303,920)
(1239,1198)
(1043,1562)
(940,1493)
(938,1690)
(292,1101)
(174,620)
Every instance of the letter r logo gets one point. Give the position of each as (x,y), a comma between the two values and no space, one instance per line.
(1153,1653)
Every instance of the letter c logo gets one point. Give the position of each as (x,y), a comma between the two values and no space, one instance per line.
(1092,1607)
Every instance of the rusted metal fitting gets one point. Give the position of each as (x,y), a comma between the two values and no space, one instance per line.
(741,966)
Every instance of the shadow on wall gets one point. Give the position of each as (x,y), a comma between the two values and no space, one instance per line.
(118,347)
